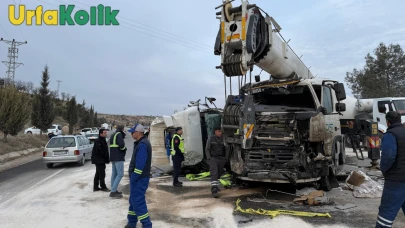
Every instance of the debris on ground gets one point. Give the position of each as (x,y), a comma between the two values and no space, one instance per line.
(314,198)
(346,206)
(363,186)
(305,191)
(274,213)
(225,179)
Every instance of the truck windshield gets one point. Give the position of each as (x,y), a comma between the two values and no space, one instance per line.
(61,142)
(399,106)
(300,97)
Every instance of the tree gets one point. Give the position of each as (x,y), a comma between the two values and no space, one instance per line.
(91,116)
(45,107)
(382,76)
(63,96)
(96,121)
(14,111)
(71,114)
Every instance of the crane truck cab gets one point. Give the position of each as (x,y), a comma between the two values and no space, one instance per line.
(286,129)
(369,109)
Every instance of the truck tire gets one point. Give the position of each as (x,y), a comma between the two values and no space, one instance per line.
(325,184)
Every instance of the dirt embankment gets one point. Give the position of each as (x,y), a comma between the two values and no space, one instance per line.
(21,142)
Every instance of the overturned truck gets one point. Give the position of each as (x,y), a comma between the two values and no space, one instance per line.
(197,123)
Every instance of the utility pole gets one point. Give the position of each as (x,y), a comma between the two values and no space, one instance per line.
(59,81)
(12,56)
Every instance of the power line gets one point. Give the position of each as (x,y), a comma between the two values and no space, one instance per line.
(22,35)
(165,32)
(2,28)
(12,56)
(154,35)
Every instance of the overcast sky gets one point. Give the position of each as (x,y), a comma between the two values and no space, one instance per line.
(161,55)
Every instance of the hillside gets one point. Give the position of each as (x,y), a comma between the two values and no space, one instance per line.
(125,119)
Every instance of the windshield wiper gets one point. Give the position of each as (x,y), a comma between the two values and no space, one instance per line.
(68,145)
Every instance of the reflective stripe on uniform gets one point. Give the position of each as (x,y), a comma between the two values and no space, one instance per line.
(137,171)
(142,217)
(181,144)
(131,213)
(114,144)
(384,222)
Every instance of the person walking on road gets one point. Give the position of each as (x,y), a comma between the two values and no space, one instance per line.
(177,152)
(100,158)
(139,175)
(117,158)
(217,154)
(392,166)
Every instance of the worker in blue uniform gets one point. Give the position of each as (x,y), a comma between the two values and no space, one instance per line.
(392,166)
(139,175)
(167,144)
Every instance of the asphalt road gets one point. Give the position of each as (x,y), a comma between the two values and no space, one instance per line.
(31,175)
(33,195)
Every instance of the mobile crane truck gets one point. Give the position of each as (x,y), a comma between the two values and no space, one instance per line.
(285,129)
(361,110)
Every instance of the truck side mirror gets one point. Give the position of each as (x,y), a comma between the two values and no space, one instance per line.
(340,91)
(340,107)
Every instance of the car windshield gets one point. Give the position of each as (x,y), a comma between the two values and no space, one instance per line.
(400,106)
(53,127)
(61,142)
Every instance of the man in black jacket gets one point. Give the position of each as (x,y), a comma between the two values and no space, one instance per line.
(217,154)
(117,158)
(100,158)
(392,166)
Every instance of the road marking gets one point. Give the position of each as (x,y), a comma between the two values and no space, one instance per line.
(33,187)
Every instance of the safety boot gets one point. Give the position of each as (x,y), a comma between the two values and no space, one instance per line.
(214,191)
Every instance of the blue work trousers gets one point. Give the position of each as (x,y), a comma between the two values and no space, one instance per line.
(137,203)
(116,174)
(393,198)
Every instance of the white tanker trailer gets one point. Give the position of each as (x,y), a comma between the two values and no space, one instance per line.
(372,109)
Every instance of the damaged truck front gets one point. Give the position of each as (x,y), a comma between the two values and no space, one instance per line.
(286,135)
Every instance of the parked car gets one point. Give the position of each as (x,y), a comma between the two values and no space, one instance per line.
(32,130)
(56,129)
(86,130)
(93,136)
(67,149)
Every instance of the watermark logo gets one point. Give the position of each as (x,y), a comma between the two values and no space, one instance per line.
(98,15)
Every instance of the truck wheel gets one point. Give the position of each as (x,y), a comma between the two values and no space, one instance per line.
(325,184)
(49,165)
(29,133)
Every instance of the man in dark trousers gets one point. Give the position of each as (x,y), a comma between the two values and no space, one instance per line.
(217,154)
(100,158)
(392,166)
(117,158)
(177,152)
(139,175)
